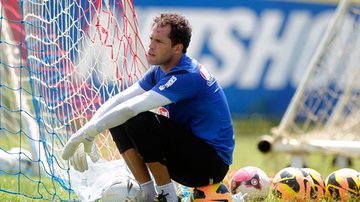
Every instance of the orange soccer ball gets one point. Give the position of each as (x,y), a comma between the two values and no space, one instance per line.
(292,184)
(318,184)
(213,192)
(343,185)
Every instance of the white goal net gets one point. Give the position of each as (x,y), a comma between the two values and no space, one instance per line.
(324,113)
(68,58)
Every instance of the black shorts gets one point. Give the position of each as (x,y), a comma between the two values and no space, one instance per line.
(190,161)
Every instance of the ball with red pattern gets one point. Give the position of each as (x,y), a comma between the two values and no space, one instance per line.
(252,182)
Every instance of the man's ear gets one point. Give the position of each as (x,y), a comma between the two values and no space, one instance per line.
(178,48)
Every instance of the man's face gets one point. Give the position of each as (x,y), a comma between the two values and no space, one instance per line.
(160,48)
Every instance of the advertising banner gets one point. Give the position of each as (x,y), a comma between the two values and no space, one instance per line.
(258,50)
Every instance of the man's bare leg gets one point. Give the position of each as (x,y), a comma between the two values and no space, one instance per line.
(136,165)
(160,173)
(163,181)
(141,173)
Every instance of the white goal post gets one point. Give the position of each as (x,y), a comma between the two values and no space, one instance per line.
(324,113)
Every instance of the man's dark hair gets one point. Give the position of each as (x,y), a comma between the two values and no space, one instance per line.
(180,28)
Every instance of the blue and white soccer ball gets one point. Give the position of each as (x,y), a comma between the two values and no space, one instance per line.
(122,189)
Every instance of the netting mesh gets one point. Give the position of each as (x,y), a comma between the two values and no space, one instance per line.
(65,59)
(327,102)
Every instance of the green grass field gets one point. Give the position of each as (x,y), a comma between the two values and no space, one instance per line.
(245,154)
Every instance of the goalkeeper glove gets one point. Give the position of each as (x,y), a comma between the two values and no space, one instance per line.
(79,161)
(81,136)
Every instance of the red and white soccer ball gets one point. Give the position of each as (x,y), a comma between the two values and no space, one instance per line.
(252,182)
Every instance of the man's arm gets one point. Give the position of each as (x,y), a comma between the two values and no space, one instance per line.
(117,115)
(130,108)
(128,93)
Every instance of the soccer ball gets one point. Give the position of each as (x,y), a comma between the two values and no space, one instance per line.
(318,184)
(252,182)
(213,192)
(122,189)
(342,185)
(16,160)
(6,161)
(292,184)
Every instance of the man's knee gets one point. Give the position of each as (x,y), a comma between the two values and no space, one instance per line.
(121,138)
(143,122)
(138,132)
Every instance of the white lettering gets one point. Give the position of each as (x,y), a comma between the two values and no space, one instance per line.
(249,50)
(169,83)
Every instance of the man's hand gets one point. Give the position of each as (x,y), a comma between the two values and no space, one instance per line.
(79,161)
(71,146)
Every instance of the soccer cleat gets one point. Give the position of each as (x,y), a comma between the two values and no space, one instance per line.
(162,198)
(213,192)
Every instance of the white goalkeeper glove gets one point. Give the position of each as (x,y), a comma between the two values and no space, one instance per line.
(81,136)
(79,161)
